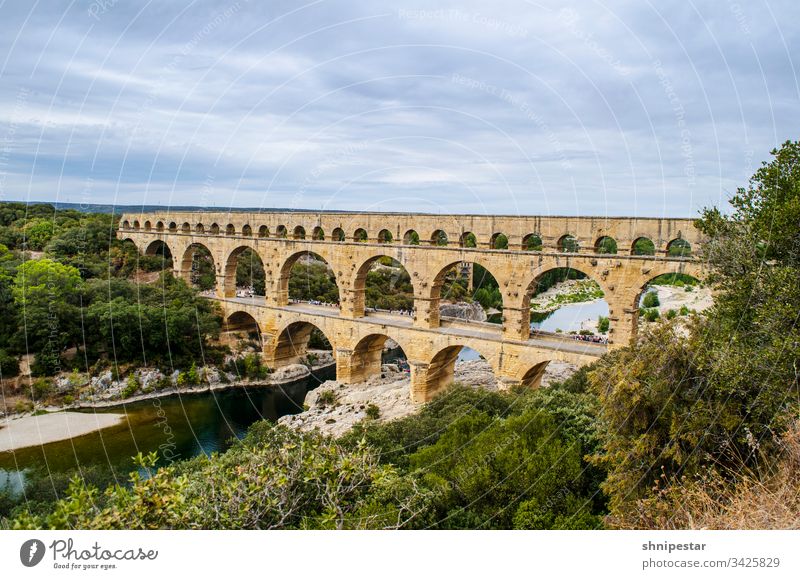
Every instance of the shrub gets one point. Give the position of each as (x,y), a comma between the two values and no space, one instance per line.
(603,324)
(373,412)
(671,314)
(131,386)
(651,315)
(651,300)
(192,376)
(328,398)
(41,388)
(9,365)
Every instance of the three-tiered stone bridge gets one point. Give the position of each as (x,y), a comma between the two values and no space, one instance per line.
(352,242)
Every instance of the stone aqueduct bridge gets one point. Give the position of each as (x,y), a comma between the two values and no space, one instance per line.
(352,242)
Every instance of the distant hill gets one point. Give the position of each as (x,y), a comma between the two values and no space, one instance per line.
(118,209)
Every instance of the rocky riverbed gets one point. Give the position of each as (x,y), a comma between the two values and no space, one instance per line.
(334,408)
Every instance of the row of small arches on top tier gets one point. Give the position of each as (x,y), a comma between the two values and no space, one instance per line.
(531,242)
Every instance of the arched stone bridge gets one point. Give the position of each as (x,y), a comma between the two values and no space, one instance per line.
(352,242)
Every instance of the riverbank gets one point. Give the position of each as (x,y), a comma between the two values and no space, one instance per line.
(26,431)
(334,408)
(56,423)
(281,377)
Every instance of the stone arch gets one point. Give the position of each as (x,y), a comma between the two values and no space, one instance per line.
(242,323)
(532,378)
(568,243)
(499,241)
(463,282)
(231,264)
(283,289)
(639,305)
(291,344)
(605,245)
(263,231)
(360,235)
(366,359)
(359,300)
(532,242)
(643,246)
(186,228)
(544,279)
(230,229)
(160,226)
(435,376)
(318,234)
(299,232)
(214,229)
(385,236)
(148,226)
(158,247)
(411,237)
(338,234)
(468,239)
(199,228)
(439,238)
(247,231)
(136,224)
(173,227)
(281,232)
(679,247)
(126,224)
(198,266)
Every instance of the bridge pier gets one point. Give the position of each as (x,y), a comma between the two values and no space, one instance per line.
(516,323)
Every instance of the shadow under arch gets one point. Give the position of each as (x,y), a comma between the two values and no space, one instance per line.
(367,357)
(158,247)
(317,281)
(240,325)
(440,371)
(292,344)
(392,283)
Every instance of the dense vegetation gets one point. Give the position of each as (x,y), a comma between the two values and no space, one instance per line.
(76,303)
(679,409)
(469,459)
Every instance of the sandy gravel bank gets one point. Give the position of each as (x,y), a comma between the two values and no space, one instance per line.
(37,430)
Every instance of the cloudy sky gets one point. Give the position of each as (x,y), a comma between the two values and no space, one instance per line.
(595,108)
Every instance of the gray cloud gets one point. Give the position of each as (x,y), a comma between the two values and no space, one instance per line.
(466,107)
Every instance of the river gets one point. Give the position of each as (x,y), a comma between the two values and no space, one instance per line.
(177,426)
(568,318)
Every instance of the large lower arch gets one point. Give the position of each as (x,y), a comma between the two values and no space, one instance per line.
(315,283)
(428,380)
(292,344)
(391,288)
(532,378)
(459,281)
(240,326)
(678,296)
(365,360)
(231,266)
(581,314)
(158,247)
(198,267)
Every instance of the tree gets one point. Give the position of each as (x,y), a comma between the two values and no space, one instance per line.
(720,398)
(46,293)
(38,232)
